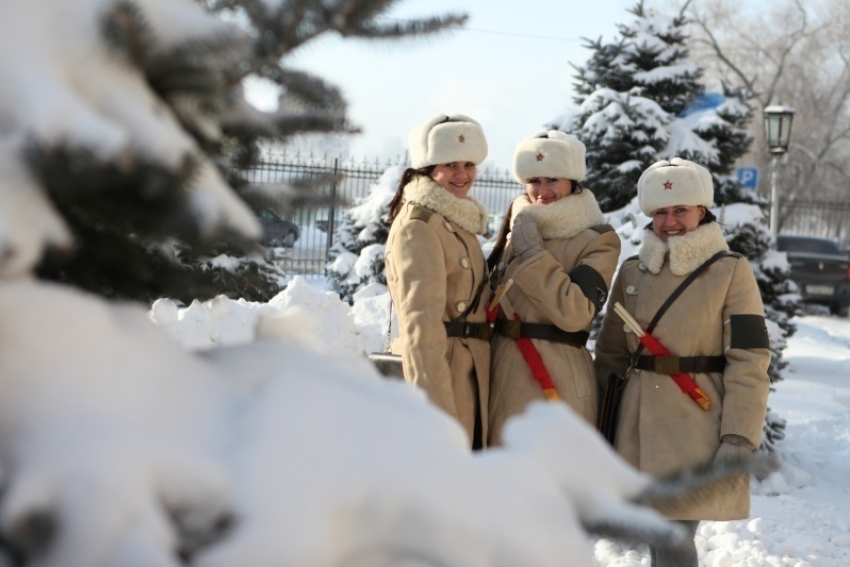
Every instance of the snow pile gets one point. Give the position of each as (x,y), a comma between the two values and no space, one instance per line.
(306,457)
(108,430)
(133,447)
(300,312)
(781,531)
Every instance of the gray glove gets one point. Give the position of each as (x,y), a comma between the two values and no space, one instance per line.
(734,449)
(525,238)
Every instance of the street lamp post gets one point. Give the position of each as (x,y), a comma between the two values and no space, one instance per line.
(777,124)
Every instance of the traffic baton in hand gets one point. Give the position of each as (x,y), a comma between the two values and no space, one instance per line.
(526,347)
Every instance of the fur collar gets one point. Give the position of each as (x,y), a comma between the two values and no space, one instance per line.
(467,213)
(565,217)
(686,252)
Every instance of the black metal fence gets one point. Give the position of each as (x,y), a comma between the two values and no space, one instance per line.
(309,255)
(495,190)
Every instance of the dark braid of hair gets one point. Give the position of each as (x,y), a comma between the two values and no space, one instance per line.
(501,240)
(406,177)
(709,217)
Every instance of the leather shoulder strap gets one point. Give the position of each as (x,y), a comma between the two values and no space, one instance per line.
(677,292)
(683,286)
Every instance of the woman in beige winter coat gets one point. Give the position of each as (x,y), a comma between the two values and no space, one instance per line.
(716,328)
(561,257)
(436,272)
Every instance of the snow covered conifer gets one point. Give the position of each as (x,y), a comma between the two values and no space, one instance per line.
(725,128)
(641,102)
(634,88)
(137,154)
(622,131)
(357,256)
(657,56)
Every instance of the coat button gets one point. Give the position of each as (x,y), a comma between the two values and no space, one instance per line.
(461,306)
(448,226)
(464,262)
(642,267)
(627,329)
(631,290)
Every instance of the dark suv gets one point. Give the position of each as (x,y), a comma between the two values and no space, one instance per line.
(821,270)
(278,232)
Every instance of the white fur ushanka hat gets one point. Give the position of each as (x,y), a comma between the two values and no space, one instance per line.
(675,182)
(446,138)
(549,154)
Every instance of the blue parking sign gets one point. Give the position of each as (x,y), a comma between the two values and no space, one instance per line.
(749,177)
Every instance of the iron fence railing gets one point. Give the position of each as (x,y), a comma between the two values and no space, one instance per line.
(495,190)
(353,180)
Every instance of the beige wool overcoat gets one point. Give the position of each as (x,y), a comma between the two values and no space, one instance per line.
(661,430)
(435,267)
(548,289)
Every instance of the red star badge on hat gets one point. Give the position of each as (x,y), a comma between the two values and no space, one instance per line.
(540,157)
(461,139)
(668,186)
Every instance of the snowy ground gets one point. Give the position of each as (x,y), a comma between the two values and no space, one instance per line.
(801,514)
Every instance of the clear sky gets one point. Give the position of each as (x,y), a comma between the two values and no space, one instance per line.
(509,69)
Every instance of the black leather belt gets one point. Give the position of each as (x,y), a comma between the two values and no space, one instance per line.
(674,364)
(516,330)
(467,330)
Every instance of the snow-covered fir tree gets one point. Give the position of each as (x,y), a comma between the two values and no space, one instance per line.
(357,255)
(640,99)
(160,234)
(630,94)
(642,88)
(657,56)
(125,132)
(622,131)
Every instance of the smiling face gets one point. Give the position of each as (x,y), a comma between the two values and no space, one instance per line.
(455,177)
(545,190)
(677,220)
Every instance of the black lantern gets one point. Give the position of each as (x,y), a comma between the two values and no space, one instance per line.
(777,124)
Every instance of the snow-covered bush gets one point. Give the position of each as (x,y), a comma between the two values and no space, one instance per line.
(357,255)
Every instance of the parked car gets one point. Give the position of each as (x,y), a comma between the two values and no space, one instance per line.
(323,222)
(820,269)
(278,232)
